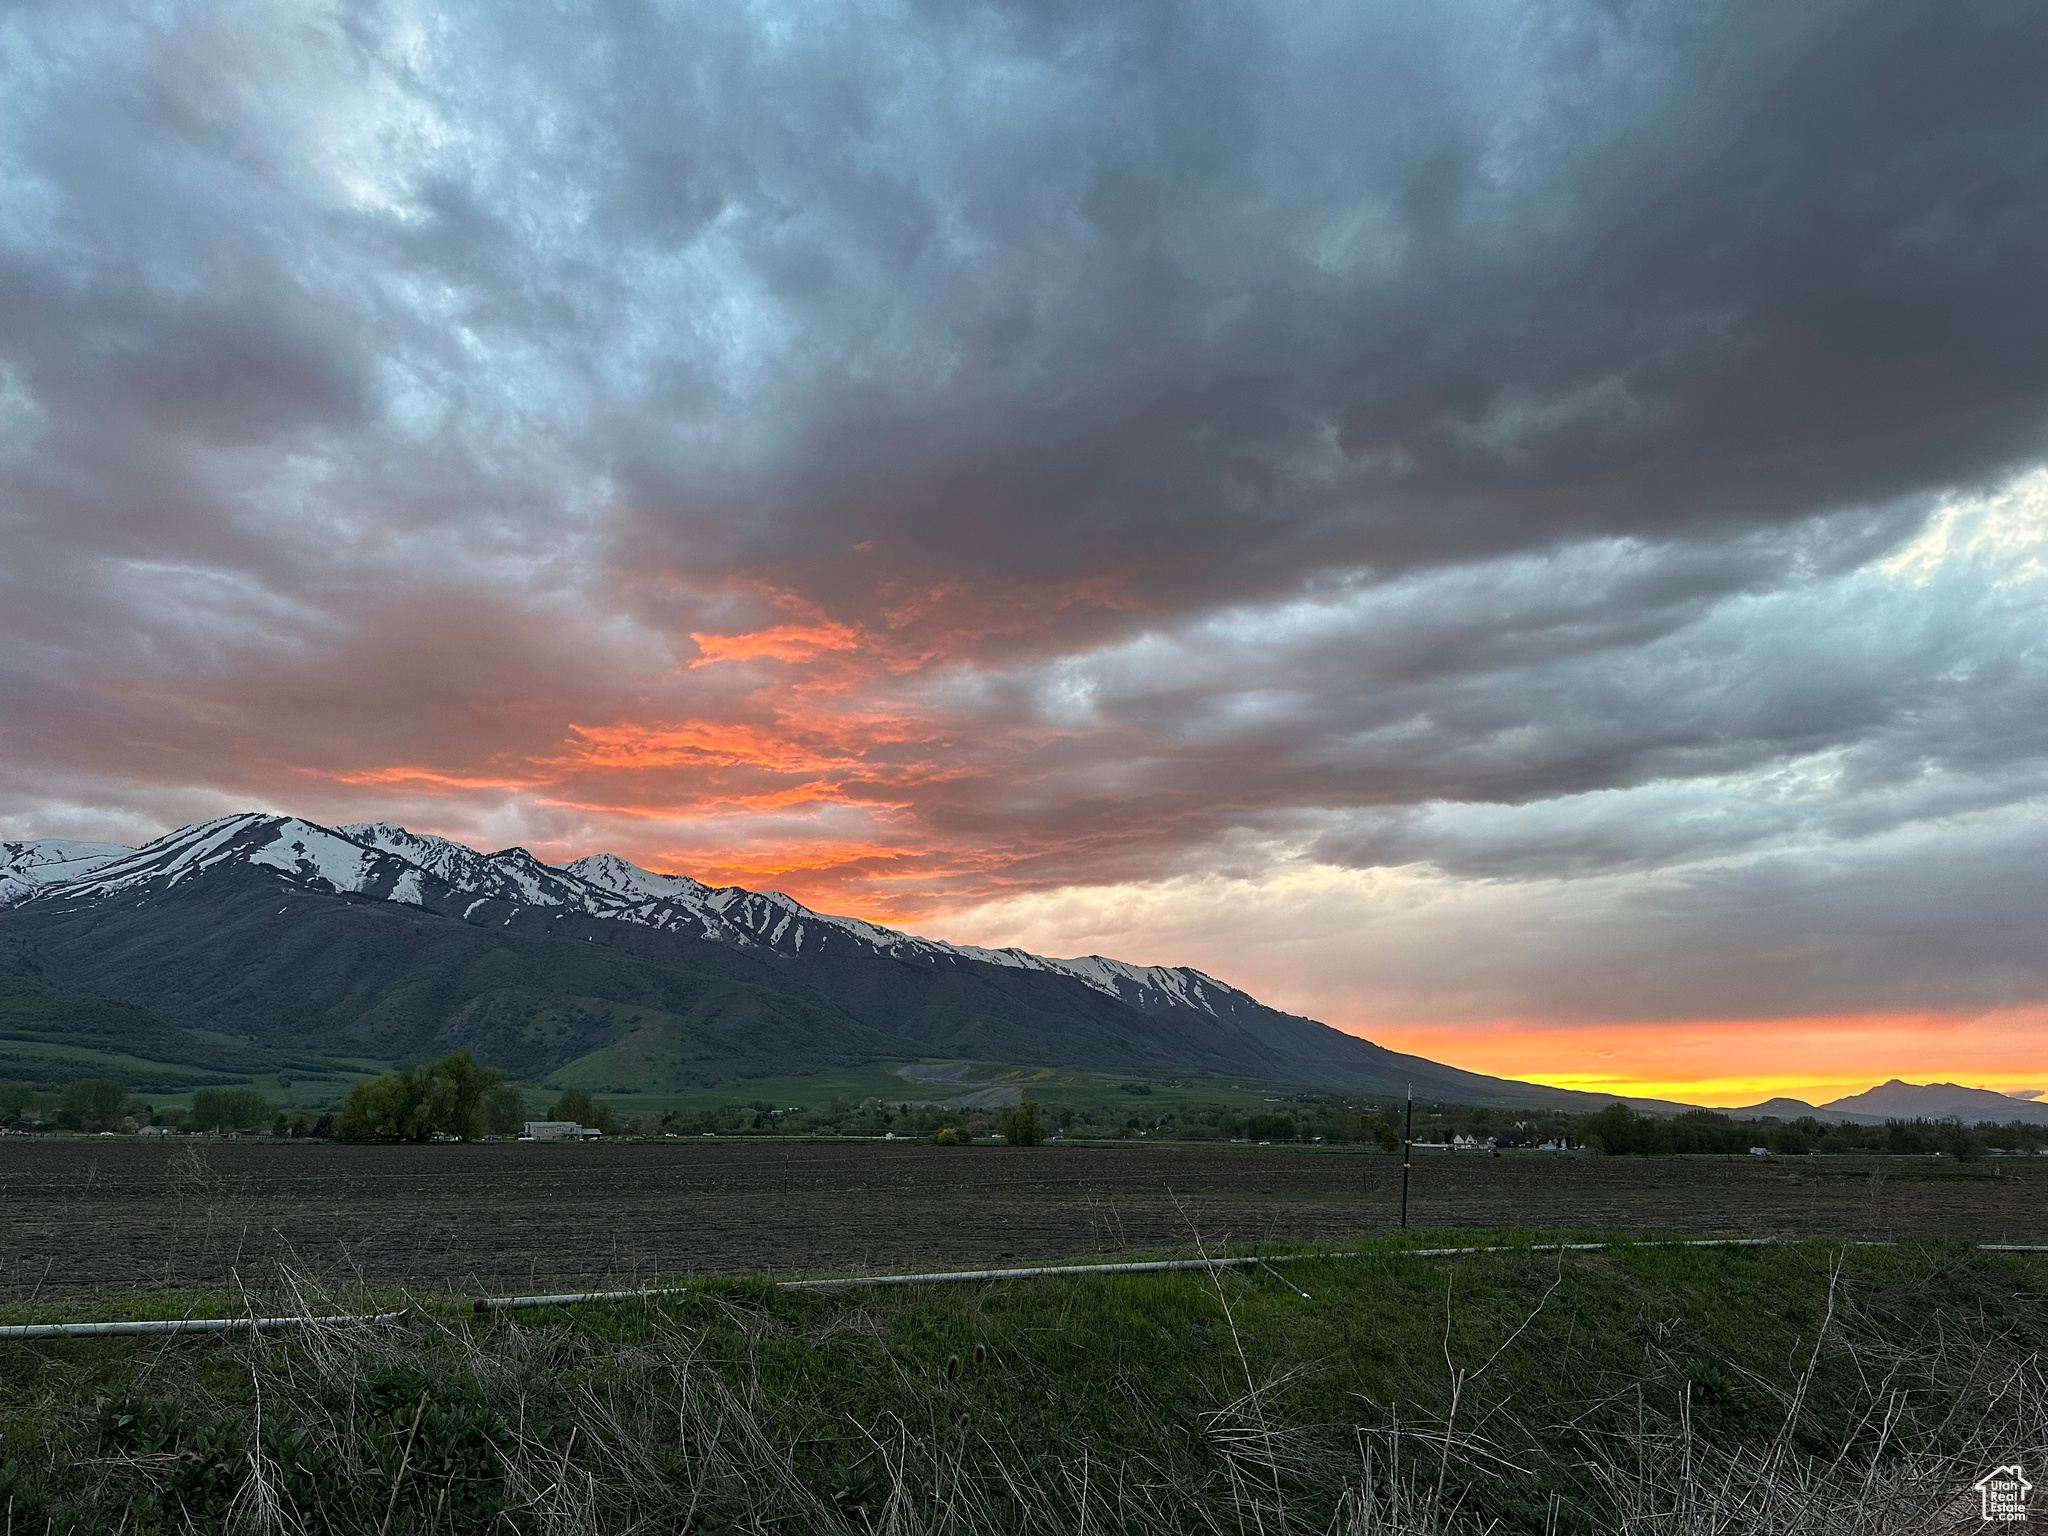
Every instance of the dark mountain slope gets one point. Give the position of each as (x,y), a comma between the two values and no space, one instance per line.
(50,1035)
(232,949)
(378,943)
(228,950)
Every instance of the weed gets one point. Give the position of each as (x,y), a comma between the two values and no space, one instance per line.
(1723,1392)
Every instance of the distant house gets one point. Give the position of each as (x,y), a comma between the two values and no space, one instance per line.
(559,1130)
(1759,1151)
(156,1130)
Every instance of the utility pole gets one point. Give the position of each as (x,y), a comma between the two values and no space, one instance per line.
(1407,1156)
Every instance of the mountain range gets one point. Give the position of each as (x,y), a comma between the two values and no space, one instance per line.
(327,950)
(1896,1100)
(260,944)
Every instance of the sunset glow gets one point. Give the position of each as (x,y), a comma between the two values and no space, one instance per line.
(1814,1059)
(1482,528)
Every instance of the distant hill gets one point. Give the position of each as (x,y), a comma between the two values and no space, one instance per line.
(51,1035)
(1896,1100)
(1788,1109)
(370,941)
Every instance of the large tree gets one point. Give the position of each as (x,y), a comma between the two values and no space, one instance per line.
(451,1097)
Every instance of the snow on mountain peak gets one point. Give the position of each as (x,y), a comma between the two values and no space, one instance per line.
(28,866)
(170,858)
(383,859)
(314,853)
(609,872)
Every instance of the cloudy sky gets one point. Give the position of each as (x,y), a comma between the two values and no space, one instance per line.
(1517,529)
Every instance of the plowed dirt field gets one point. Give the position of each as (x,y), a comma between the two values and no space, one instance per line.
(79,1215)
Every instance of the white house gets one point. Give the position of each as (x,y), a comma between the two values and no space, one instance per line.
(559,1130)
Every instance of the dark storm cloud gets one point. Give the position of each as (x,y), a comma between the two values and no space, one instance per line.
(1034,445)
(1434,283)
(1603,708)
(1214,297)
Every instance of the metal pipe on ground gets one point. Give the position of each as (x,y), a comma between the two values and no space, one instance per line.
(845,1282)
(189,1325)
(1141,1267)
(513,1303)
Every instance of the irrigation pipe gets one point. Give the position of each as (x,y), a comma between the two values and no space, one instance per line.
(189,1325)
(508,1303)
(15,1331)
(1267,1260)
(1141,1267)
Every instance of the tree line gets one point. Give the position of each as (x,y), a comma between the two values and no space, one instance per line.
(105,1104)
(461,1098)
(1620,1131)
(457,1098)
(1309,1120)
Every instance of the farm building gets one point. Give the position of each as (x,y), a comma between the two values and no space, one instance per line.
(559,1130)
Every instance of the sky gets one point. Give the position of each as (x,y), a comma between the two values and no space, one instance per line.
(1519,530)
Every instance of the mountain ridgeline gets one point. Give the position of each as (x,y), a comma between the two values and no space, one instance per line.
(268,939)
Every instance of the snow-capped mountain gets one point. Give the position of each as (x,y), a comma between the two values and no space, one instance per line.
(390,945)
(389,863)
(26,867)
(609,872)
(298,851)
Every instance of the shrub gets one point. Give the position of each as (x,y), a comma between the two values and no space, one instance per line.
(92,1104)
(15,1099)
(227,1109)
(504,1110)
(1021,1127)
(951,1136)
(580,1105)
(574,1104)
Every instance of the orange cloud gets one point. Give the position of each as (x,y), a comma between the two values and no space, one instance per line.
(780,642)
(631,746)
(403,776)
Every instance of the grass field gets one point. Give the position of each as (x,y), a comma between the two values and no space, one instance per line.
(305,1091)
(1813,1387)
(1047,1085)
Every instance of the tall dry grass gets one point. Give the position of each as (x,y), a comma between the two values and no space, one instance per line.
(657,1436)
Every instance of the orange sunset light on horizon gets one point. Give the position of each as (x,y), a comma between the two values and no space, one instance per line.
(1734,1062)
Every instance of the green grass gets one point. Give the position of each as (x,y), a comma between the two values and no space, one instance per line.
(809,1091)
(1066,1086)
(1105,1090)
(1531,1384)
(1904,1170)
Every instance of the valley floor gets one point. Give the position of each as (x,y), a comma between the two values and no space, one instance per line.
(88,1215)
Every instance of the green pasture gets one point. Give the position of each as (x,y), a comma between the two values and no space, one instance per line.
(1523,1391)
